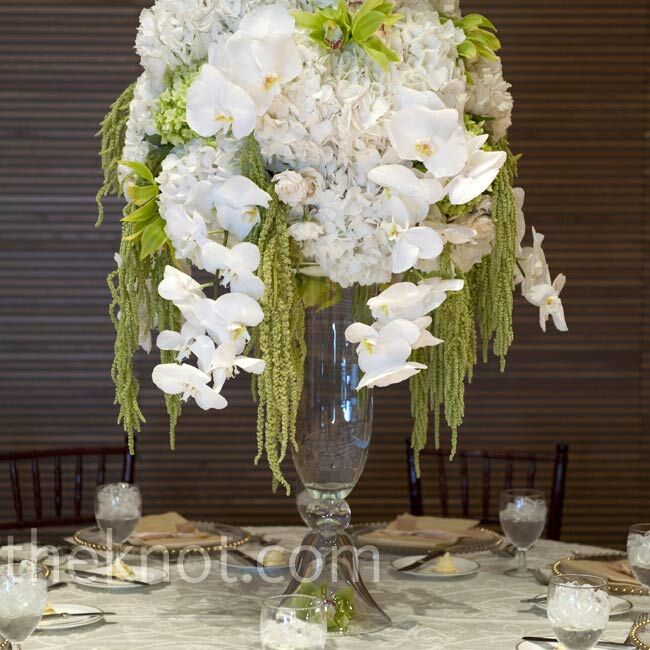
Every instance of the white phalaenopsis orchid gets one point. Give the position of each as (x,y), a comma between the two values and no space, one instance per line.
(215,104)
(187,381)
(426,339)
(262,56)
(187,230)
(237,201)
(434,137)
(454,234)
(383,354)
(237,265)
(547,297)
(409,195)
(223,362)
(406,300)
(480,170)
(227,318)
(535,268)
(180,342)
(180,288)
(411,244)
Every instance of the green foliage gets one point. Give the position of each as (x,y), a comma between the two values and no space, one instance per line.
(480,39)
(335,27)
(280,337)
(492,279)
(453,211)
(112,132)
(170,119)
(142,211)
(318,292)
(340,604)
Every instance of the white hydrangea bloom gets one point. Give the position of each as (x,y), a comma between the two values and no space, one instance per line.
(178,32)
(489,96)
(140,123)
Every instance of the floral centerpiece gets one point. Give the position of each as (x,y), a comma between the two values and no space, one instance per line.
(273,155)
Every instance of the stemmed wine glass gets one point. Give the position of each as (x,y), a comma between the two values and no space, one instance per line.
(118,507)
(578,610)
(522,514)
(23,593)
(638,552)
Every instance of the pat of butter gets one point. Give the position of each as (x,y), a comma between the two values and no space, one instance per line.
(49,609)
(274,557)
(121,570)
(445,564)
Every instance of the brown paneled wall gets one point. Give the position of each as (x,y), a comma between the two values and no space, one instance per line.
(578,73)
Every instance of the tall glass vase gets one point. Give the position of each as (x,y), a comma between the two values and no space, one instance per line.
(333,436)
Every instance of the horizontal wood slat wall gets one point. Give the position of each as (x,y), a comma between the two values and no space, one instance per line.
(578,71)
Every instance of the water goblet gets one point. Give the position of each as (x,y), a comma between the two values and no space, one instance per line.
(118,507)
(23,593)
(578,610)
(638,552)
(522,514)
(293,622)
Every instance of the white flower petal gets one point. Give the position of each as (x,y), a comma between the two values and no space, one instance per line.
(209,398)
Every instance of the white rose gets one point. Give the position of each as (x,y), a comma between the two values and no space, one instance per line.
(304,230)
(291,188)
(315,184)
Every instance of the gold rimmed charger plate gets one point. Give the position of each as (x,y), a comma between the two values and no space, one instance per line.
(641,628)
(93,538)
(614,587)
(467,545)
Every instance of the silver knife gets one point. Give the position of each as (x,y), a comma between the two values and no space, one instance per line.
(54,615)
(108,577)
(600,644)
(423,560)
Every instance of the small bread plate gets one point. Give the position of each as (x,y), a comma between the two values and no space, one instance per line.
(61,623)
(151,575)
(464,567)
(234,561)
(618,605)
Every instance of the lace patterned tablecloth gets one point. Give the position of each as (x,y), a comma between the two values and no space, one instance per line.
(479,612)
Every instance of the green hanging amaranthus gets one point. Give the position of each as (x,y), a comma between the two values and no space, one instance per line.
(493,279)
(448,364)
(486,300)
(135,308)
(112,132)
(280,337)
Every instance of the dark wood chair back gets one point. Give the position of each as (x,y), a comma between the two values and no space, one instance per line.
(559,462)
(102,455)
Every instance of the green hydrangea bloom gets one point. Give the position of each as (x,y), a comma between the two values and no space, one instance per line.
(169,119)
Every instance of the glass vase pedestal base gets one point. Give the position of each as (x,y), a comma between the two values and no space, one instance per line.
(328,567)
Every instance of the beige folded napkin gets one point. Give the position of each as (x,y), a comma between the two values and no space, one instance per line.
(423,532)
(170,530)
(616,571)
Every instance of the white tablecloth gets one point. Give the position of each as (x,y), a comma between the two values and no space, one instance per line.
(480,612)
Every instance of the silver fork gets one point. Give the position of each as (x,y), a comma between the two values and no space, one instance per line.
(639,619)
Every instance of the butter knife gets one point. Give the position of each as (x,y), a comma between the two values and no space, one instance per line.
(423,560)
(56,615)
(107,577)
(600,644)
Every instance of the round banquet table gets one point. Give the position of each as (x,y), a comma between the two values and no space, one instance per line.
(478,612)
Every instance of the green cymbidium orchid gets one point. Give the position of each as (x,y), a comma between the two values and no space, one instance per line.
(142,210)
(480,41)
(334,28)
